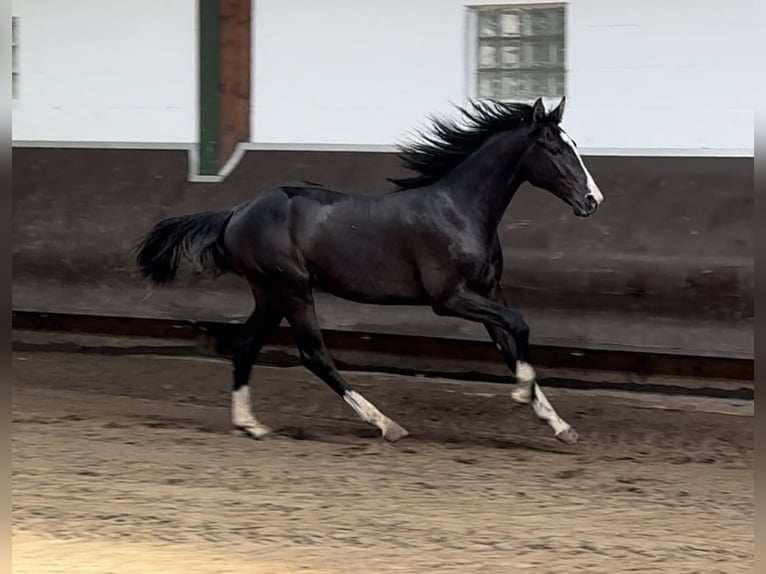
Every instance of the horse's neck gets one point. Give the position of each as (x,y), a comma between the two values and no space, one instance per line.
(484,184)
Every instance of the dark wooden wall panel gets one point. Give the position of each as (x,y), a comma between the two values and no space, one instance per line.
(667,263)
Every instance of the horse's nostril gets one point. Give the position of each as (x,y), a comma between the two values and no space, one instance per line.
(591,202)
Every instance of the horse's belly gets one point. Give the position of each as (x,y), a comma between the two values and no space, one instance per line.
(359,277)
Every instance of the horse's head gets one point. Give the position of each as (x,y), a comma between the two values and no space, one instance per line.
(553,163)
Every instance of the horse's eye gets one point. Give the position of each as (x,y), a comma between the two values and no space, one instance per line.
(556,150)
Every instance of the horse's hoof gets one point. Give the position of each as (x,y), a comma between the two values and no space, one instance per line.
(257,432)
(394,432)
(568,436)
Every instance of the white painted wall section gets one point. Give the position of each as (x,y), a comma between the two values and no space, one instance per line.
(353,71)
(661,75)
(644,76)
(107,71)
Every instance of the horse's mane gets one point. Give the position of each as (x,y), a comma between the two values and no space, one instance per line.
(433,155)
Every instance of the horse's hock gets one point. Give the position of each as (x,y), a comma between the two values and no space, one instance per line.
(666,264)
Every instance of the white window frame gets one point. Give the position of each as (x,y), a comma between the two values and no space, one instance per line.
(471,37)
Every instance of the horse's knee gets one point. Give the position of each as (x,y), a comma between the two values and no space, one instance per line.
(517,326)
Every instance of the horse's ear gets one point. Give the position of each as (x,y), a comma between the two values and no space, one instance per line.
(538,111)
(558,114)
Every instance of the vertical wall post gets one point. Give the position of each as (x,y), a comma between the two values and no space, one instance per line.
(209,80)
(224,81)
(235,72)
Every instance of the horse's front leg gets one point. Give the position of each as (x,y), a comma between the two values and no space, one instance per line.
(525,375)
(510,333)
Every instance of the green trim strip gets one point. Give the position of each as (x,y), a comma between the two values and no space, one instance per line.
(209,79)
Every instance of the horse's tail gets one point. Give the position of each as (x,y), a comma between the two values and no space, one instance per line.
(198,237)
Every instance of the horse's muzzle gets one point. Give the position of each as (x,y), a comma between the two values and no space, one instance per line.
(589,207)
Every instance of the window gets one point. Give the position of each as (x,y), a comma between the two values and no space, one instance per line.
(15,57)
(519,51)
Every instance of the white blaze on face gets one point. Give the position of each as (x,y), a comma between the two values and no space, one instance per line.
(593,189)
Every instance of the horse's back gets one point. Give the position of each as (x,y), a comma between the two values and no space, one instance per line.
(306,231)
(321,194)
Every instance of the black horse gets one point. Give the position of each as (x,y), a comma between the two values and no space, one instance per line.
(432,241)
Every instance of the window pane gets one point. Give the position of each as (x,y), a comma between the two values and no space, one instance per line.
(511,55)
(540,54)
(538,84)
(487,23)
(526,22)
(487,55)
(558,85)
(547,21)
(510,24)
(528,89)
(488,85)
(560,53)
(511,88)
(542,21)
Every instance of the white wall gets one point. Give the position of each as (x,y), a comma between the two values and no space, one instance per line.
(662,74)
(644,76)
(107,71)
(353,71)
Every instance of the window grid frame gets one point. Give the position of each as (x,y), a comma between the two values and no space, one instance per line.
(554,76)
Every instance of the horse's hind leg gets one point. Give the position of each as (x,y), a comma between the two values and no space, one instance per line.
(302,317)
(258,329)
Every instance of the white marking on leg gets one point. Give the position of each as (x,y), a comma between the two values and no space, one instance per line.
(242,416)
(525,379)
(370,414)
(546,412)
(592,187)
